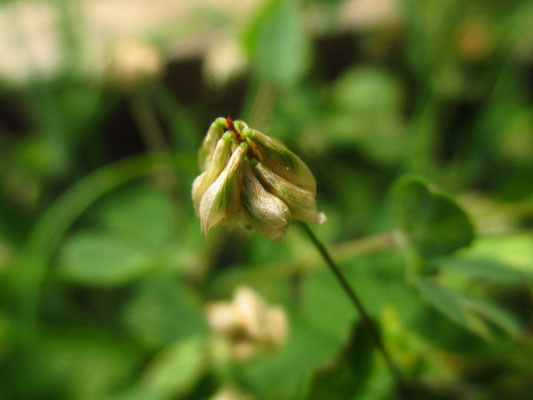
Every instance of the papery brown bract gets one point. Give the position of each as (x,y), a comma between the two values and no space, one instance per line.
(221,201)
(217,164)
(301,202)
(207,149)
(278,158)
(263,211)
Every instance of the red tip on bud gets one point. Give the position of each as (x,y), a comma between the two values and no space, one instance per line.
(229,121)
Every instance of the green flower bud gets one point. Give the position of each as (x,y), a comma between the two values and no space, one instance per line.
(217,164)
(252,180)
(301,202)
(263,211)
(278,158)
(207,149)
(221,200)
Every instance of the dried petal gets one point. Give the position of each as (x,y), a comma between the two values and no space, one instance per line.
(219,161)
(222,317)
(277,326)
(301,202)
(247,323)
(264,212)
(214,133)
(221,200)
(283,162)
(243,350)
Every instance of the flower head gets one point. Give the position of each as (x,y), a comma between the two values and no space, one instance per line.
(248,323)
(252,180)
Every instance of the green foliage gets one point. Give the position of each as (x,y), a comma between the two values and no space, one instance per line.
(367,103)
(433,223)
(140,214)
(344,376)
(176,369)
(78,363)
(278,43)
(138,222)
(150,313)
(281,375)
(465,312)
(94,259)
(105,275)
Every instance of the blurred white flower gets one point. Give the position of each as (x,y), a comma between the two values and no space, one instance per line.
(223,62)
(230,393)
(277,326)
(247,323)
(134,63)
(251,312)
(362,14)
(222,317)
(243,349)
(252,180)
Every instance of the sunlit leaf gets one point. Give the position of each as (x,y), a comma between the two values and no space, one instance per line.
(177,368)
(506,260)
(493,314)
(449,304)
(97,259)
(484,268)
(140,214)
(515,251)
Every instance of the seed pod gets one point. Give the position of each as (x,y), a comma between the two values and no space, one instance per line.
(278,158)
(219,161)
(301,202)
(263,211)
(221,200)
(207,149)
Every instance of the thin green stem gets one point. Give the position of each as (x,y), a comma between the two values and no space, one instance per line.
(365,317)
(146,119)
(154,138)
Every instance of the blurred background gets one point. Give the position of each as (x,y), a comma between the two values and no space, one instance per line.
(104,274)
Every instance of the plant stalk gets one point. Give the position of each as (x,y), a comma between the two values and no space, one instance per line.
(154,139)
(365,317)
